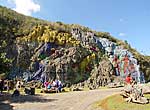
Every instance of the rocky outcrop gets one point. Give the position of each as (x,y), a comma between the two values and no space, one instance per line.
(101,75)
(79,58)
(50,54)
(134,93)
(64,64)
(25,40)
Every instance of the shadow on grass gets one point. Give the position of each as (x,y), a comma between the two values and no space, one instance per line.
(6,100)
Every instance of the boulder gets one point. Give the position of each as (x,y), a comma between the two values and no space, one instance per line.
(134,93)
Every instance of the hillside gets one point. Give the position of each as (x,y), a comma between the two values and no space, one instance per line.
(67,51)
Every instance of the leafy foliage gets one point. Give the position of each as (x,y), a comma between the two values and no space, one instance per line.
(4,63)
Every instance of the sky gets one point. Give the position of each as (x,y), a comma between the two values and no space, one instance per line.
(123,19)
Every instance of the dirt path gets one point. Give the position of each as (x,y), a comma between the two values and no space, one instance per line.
(81,100)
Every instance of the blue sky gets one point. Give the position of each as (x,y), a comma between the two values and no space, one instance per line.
(124,19)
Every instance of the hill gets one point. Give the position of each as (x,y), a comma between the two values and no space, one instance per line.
(70,52)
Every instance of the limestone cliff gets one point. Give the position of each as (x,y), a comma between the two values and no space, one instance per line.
(42,50)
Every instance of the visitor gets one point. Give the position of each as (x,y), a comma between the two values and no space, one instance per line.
(53,84)
(134,82)
(18,85)
(27,91)
(16,93)
(128,79)
(1,85)
(142,79)
(59,85)
(46,84)
(7,85)
(49,86)
(32,89)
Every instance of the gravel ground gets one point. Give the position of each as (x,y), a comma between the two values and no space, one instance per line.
(80,100)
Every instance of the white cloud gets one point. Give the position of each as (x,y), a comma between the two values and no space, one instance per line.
(121,34)
(26,7)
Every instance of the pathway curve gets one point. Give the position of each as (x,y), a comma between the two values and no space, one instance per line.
(80,100)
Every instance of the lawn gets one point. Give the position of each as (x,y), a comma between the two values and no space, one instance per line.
(116,102)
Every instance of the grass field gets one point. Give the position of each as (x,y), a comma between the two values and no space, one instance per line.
(116,102)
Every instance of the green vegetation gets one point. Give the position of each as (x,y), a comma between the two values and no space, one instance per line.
(4,64)
(45,34)
(116,102)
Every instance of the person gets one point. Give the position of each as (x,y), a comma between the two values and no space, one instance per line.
(128,79)
(134,82)
(53,84)
(32,89)
(46,84)
(1,85)
(59,85)
(27,91)
(49,86)
(142,79)
(16,93)
(18,85)
(7,85)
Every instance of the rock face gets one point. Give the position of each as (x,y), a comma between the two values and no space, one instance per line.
(123,61)
(63,64)
(101,75)
(57,55)
(78,57)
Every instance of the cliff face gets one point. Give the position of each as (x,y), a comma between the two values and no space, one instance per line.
(44,51)
(50,54)
(73,57)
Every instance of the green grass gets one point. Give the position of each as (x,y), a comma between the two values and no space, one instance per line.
(116,102)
